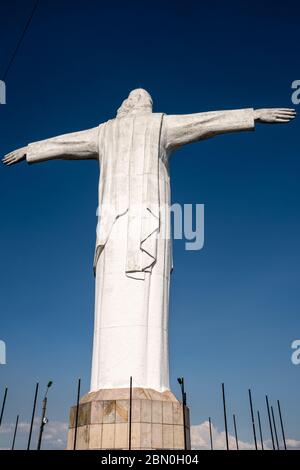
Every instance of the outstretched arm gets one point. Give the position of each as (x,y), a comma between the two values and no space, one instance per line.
(74,146)
(184,129)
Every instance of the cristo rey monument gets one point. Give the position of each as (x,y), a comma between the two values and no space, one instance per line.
(133,262)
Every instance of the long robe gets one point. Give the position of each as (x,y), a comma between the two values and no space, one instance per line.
(133,257)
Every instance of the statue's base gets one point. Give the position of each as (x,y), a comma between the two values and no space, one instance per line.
(103,421)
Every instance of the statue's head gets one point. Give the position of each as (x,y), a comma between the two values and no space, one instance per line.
(139,100)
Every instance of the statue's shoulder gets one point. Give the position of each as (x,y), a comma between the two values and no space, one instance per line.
(159,115)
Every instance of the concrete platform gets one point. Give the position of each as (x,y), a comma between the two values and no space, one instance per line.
(103,420)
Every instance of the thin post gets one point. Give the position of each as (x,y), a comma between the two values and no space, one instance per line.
(180,380)
(15,433)
(225,416)
(270,423)
(235,432)
(44,420)
(210,433)
(275,430)
(77,413)
(281,424)
(183,411)
(33,414)
(252,418)
(3,405)
(260,431)
(130,414)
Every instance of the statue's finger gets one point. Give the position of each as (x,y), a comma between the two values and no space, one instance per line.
(286,113)
(10,154)
(282,120)
(288,109)
(285,116)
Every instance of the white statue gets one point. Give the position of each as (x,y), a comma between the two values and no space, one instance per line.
(133,248)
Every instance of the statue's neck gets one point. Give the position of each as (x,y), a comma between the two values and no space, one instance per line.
(135,112)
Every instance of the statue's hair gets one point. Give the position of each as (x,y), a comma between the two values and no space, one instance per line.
(138,99)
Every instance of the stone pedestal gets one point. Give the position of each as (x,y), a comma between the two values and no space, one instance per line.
(103,421)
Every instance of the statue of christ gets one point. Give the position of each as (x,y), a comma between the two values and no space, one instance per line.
(133,247)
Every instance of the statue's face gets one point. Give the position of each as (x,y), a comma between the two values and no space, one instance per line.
(137,101)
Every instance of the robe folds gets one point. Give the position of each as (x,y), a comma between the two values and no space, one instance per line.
(131,176)
(133,244)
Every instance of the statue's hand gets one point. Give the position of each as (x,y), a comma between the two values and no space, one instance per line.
(15,156)
(274,115)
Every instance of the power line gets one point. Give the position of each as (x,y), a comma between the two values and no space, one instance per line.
(21,39)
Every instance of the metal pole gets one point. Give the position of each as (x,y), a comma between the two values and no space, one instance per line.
(77,412)
(260,432)
(235,432)
(210,433)
(180,380)
(270,423)
(130,415)
(3,405)
(183,411)
(275,430)
(281,424)
(44,420)
(15,433)
(225,417)
(33,414)
(44,406)
(252,418)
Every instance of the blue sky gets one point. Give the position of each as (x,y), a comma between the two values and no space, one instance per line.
(235,304)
